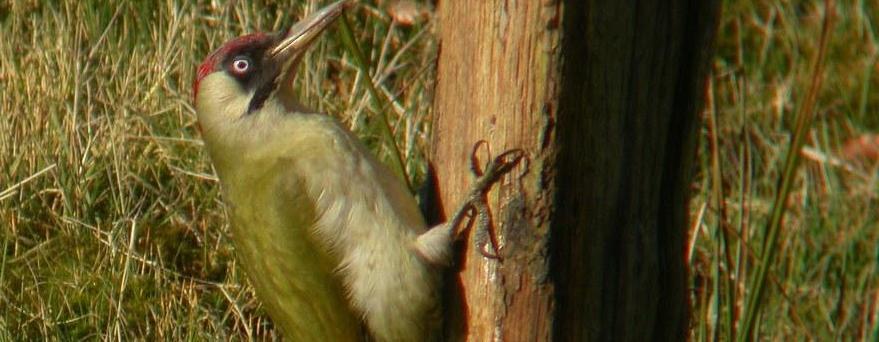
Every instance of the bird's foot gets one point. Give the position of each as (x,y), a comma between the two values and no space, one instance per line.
(475,207)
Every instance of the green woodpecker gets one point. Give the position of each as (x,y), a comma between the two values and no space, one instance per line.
(331,240)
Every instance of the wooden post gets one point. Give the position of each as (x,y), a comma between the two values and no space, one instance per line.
(604,97)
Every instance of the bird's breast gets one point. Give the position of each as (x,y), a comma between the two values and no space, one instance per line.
(315,218)
(293,274)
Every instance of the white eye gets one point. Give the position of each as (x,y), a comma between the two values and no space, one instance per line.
(241,65)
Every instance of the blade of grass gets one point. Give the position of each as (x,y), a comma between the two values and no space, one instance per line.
(379,101)
(8,192)
(717,197)
(757,283)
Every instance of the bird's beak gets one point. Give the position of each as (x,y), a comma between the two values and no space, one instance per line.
(305,32)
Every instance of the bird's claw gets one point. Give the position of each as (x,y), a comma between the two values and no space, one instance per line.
(499,166)
(477,207)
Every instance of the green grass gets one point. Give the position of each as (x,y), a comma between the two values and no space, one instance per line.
(111,222)
(821,258)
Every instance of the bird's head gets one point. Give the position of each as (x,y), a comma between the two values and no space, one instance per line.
(236,87)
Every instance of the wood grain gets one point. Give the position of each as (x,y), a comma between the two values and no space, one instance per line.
(604,97)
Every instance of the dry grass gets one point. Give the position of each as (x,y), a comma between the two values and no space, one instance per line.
(110,216)
(823,282)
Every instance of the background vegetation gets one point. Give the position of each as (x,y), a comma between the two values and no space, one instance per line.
(111,224)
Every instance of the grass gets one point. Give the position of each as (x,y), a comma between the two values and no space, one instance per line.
(112,227)
(783,252)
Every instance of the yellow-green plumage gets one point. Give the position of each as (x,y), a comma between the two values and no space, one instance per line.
(293,276)
(326,233)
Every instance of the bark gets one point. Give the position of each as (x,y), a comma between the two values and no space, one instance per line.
(604,97)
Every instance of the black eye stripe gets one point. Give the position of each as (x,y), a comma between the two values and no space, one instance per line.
(247,68)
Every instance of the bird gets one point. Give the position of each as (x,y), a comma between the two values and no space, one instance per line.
(332,241)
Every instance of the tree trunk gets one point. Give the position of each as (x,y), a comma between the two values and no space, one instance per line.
(604,97)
